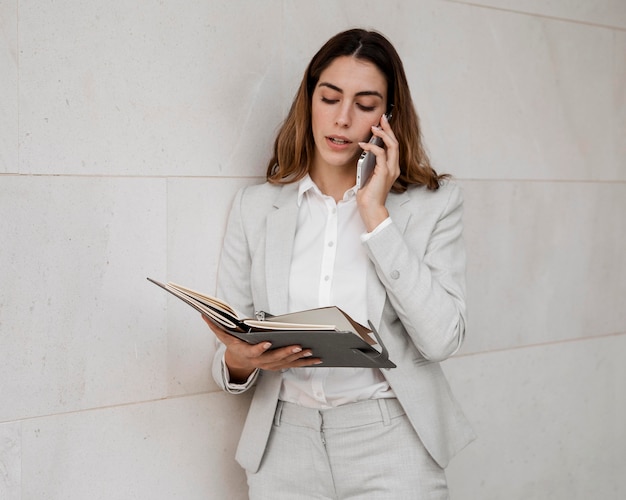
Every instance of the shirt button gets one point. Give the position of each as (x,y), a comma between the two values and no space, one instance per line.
(326,278)
(331,243)
(395,274)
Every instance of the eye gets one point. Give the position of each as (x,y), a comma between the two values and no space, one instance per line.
(362,107)
(329,101)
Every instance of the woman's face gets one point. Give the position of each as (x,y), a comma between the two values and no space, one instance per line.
(350,97)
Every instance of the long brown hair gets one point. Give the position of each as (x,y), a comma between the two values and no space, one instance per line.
(294,146)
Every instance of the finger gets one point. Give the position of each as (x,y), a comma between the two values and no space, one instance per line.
(386,126)
(288,357)
(368,146)
(386,133)
(379,152)
(250,352)
(260,355)
(300,363)
(285,355)
(297,363)
(389,157)
(245,356)
(257,350)
(389,147)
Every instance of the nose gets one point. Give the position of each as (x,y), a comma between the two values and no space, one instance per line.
(344,117)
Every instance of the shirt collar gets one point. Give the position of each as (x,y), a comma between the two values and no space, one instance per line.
(307,184)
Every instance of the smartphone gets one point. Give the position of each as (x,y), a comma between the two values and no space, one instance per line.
(367,160)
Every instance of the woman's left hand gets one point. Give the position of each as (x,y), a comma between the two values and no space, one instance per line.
(371,198)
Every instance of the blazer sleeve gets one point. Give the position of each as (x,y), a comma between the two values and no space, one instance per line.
(233,285)
(423,272)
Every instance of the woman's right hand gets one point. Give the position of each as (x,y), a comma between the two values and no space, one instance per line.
(242,358)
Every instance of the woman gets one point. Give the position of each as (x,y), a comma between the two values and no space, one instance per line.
(390,253)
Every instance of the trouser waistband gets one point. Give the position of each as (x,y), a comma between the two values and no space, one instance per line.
(344,416)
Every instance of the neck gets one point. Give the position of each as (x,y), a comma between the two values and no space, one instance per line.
(333,182)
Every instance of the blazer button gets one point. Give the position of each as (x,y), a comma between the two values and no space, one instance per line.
(395,274)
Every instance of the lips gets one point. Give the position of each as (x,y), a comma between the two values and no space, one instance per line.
(338,142)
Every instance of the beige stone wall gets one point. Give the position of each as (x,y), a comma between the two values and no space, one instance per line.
(126,128)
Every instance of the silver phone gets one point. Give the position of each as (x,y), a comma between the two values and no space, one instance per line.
(367,161)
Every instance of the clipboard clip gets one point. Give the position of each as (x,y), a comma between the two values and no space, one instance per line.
(383,351)
(380,359)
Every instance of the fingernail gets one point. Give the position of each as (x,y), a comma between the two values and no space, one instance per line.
(307,354)
(267,345)
(296,349)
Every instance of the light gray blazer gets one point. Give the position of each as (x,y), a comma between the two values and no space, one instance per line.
(415,299)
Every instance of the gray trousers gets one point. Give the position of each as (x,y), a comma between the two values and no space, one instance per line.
(365,450)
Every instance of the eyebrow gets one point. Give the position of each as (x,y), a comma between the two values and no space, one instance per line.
(363,92)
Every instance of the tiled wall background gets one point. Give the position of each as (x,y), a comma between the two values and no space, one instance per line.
(126,128)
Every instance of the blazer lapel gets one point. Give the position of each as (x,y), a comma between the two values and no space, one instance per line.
(280,233)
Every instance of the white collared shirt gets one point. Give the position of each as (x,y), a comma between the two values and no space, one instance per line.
(329,267)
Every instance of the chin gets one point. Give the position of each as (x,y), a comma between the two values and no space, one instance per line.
(340,161)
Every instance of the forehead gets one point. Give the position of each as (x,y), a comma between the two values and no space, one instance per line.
(353,75)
